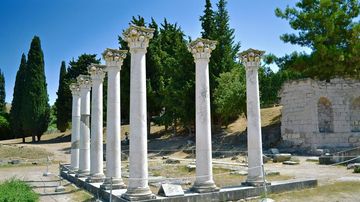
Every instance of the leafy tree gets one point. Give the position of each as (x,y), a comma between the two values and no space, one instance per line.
(179,77)
(2,93)
(63,103)
(230,95)
(16,111)
(35,106)
(331,30)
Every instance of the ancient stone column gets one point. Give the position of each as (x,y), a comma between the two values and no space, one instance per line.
(201,51)
(251,60)
(84,145)
(75,126)
(96,143)
(114,60)
(138,40)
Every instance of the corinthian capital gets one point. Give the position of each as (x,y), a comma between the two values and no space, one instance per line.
(75,89)
(251,57)
(138,37)
(84,82)
(202,48)
(97,72)
(114,57)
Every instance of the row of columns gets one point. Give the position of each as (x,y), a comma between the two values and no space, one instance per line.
(82,150)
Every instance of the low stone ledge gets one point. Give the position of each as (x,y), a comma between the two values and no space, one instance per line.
(225,194)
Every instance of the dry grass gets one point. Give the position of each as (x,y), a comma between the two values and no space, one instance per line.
(222,176)
(338,191)
(269,116)
(23,152)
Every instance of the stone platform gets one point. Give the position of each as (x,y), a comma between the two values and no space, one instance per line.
(224,194)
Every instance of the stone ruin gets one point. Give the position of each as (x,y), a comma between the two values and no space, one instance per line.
(321,114)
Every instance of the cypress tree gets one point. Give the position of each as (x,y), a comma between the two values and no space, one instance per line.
(16,104)
(36,109)
(2,93)
(63,103)
(208,21)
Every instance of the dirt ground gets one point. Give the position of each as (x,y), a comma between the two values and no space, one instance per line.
(58,145)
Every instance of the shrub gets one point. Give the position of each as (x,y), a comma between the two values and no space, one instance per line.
(357,169)
(5,131)
(17,190)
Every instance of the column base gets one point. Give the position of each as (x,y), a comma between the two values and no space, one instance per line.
(138,194)
(95,178)
(117,183)
(82,173)
(204,187)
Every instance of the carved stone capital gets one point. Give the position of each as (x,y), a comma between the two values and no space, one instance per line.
(75,89)
(251,58)
(114,57)
(84,82)
(97,72)
(202,48)
(138,37)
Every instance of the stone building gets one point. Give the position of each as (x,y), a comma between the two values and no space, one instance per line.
(321,114)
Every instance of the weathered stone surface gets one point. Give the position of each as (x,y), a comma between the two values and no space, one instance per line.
(281,157)
(266,159)
(191,167)
(291,163)
(272,173)
(353,165)
(320,113)
(239,172)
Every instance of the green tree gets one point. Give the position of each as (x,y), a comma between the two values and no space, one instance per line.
(230,95)
(330,28)
(208,21)
(178,77)
(63,103)
(35,106)
(215,25)
(16,111)
(2,93)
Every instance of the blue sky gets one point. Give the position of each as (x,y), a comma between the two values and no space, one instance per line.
(68,28)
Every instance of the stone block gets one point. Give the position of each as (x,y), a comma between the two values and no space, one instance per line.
(281,157)
(291,163)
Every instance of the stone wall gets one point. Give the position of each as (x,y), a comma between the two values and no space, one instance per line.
(321,114)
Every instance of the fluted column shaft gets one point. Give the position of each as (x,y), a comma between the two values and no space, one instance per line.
(251,60)
(138,41)
(84,146)
(96,142)
(75,127)
(201,50)
(114,60)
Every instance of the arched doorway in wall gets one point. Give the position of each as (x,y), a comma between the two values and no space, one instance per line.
(325,116)
(355,115)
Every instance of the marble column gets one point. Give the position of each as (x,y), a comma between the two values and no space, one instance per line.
(114,60)
(96,143)
(251,61)
(138,40)
(201,51)
(75,126)
(84,144)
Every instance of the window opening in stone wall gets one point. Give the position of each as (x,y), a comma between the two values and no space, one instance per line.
(355,115)
(325,116)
